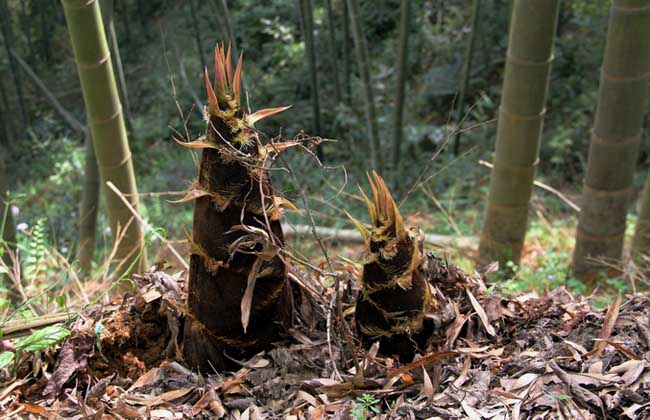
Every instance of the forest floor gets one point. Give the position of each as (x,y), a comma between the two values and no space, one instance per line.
(494,356)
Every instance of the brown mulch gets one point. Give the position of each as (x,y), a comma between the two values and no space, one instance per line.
(549,356)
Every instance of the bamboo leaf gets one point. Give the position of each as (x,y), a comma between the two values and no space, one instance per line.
(247,299)
(481,314)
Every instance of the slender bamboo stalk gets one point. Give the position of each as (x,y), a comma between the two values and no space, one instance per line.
(307,19)
(9,123)
(464,78)
(67,116)
(521,117)
(106,120)
(347,68)
(217,15)
(141,15)
(26,27)
(9,42)
(126,20)
(615,140)
(197,33)
(44,17)
(402,63)
(222,5)
(334,54)
(7,226)
(363,62)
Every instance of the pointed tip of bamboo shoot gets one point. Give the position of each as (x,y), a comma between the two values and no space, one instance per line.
(383,210)
(365,232)
(219,74)
(236,83)
(228,63)
(212,98)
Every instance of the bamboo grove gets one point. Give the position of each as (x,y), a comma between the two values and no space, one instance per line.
(237,260)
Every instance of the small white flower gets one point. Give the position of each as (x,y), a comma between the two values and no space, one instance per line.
(64,250)
(20,227)
(107,230)
(15,210)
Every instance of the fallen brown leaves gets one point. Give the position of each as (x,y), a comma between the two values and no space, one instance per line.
(492,357)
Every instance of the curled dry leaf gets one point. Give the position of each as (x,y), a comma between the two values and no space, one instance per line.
(608,327)
(481,314)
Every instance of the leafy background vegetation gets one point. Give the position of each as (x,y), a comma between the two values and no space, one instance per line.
(159,45)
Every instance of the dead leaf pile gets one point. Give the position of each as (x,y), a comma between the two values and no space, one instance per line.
(550,356)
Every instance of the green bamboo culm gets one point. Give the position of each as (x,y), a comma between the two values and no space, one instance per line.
(398,126)
(107,126)
(615,141)
(363,63)
(7,224)
(521,116)
(465,75)
(334,54)
(307,19)
(107,8)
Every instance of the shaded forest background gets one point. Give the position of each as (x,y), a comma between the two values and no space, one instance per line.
(164,46)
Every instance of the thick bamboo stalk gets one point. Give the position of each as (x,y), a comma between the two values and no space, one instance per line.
(307,15)
(464,78)
(615,139)
(363,61)
(521,116)
(402,61)
(106,121)
(108,8)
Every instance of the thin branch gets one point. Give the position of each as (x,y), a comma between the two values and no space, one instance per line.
(65,114)
(545,187)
